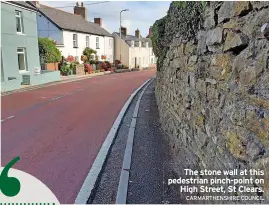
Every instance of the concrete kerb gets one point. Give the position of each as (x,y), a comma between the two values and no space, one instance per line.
(55,83)
(90,183)
(126,164)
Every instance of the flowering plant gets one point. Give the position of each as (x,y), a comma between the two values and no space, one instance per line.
(70,59)
(84,58)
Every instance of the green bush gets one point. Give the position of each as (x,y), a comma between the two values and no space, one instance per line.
(48,48)
(88,52)
(66,69)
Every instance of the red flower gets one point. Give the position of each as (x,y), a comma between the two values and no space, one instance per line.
(70,59)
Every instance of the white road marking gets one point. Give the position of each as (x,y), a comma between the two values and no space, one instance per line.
(90,181)
(127,160)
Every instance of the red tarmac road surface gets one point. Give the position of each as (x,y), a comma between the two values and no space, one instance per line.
(58,130)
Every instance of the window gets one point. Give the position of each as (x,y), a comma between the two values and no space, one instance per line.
(75,40)
(87,41)
(97,42)
(151,60)
(110,43)
(21,59)
(132,44)
(19,22)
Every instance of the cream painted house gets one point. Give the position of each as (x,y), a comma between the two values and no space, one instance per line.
(133,51)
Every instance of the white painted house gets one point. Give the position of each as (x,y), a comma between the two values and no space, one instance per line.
(134,51)
(73,33)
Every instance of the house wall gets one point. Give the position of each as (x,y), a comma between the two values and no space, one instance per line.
(47,29)
(68,49)
(10,41)
(142,54)
(123,48)
(152,58)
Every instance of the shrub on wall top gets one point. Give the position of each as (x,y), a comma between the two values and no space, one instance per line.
(48,48)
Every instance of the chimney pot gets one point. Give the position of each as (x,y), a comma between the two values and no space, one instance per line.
(137,33)
(98,21)
(124,31)
(81,10)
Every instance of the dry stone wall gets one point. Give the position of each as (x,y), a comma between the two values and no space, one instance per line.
(212,84)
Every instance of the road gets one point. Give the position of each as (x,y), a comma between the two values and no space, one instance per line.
(58,130)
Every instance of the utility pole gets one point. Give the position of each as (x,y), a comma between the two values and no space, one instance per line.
(120,29)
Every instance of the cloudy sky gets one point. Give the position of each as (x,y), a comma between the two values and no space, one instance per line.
(141,14)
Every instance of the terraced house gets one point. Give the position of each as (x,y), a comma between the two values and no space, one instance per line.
(20,63)
(72,32)
(134,51)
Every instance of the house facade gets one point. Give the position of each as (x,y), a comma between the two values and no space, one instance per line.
(133,51)
(73,32)
(20,63)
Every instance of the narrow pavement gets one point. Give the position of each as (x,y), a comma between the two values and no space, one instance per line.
(58,130)
(151,159)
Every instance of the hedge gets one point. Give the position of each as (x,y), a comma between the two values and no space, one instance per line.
(48,48)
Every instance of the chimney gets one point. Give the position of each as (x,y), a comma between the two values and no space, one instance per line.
(36,3)
(137,33)
(98,21)
(150,32)
(124,31)
(81,10)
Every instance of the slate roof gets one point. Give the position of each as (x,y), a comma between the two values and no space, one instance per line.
(72,22)
(134,38)
(23,4)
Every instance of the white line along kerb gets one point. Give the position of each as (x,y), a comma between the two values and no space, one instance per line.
(126,165)
(92,177)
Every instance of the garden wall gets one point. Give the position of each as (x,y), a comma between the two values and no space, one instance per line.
(212,84)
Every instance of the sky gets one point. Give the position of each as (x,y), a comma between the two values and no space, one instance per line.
(141,14)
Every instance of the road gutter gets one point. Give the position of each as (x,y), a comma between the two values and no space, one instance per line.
(126,165)
(91,180)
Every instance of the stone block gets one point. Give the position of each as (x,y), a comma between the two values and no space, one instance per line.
(214,36)
(209,21)
(235,42)
(201,47)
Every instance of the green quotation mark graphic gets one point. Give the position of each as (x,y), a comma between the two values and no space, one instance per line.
(10,186)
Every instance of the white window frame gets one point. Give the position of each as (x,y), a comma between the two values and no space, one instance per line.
(24,58)
(19,15)
(97,43)
(87,41)
(75,41)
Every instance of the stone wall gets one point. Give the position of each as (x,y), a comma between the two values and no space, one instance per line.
(212,84)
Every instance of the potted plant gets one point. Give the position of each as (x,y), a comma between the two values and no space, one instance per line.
(65,69)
